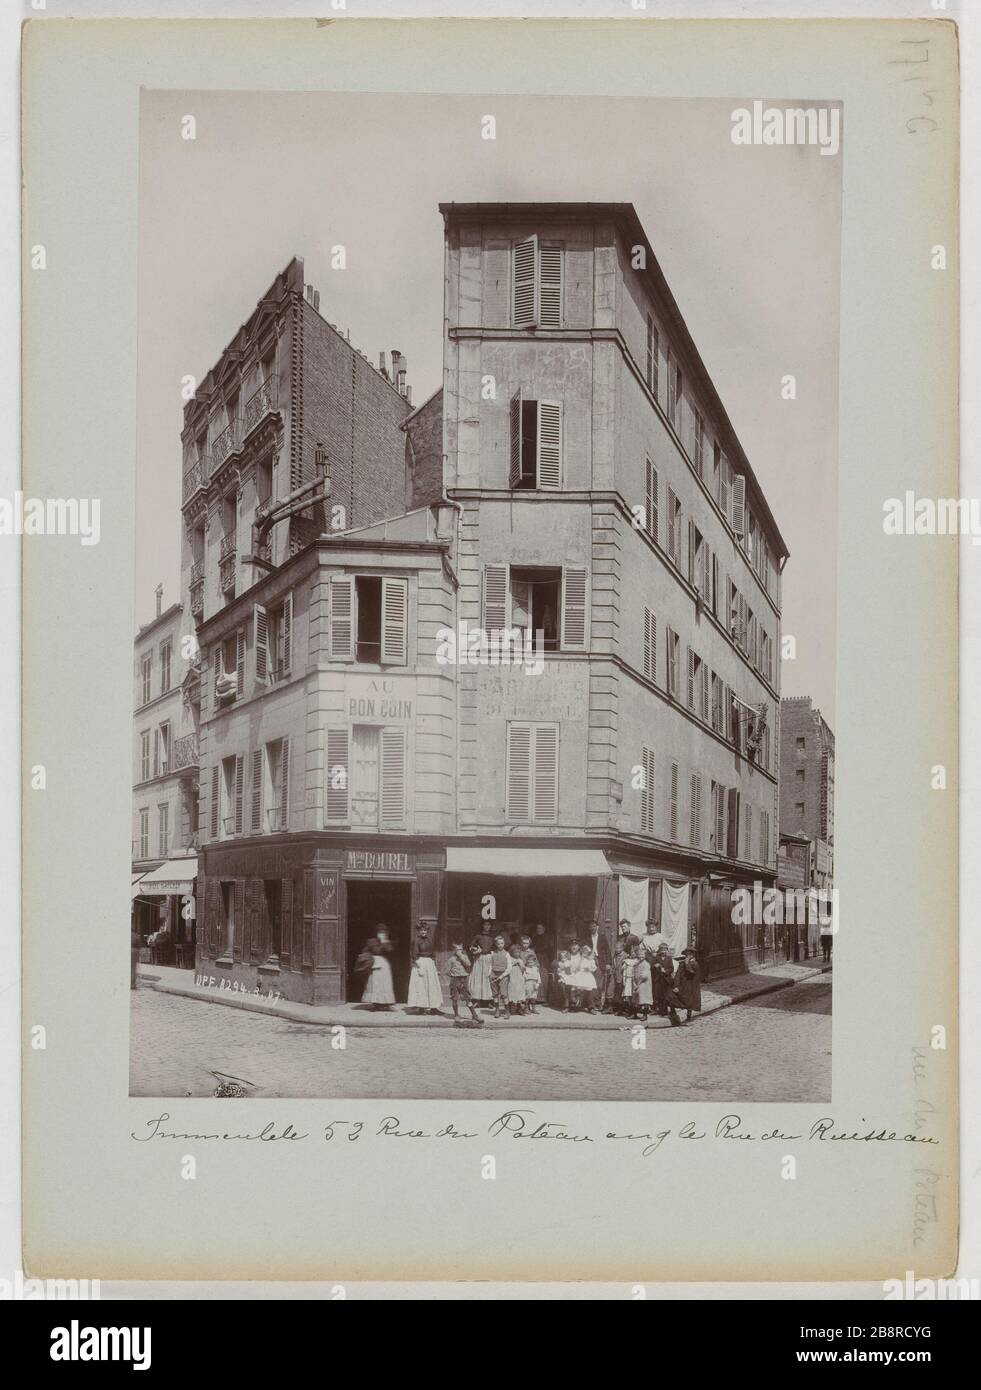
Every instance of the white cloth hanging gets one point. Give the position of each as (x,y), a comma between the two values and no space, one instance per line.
(674,915)
(634,903)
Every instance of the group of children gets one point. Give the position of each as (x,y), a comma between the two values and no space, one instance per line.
(643,977)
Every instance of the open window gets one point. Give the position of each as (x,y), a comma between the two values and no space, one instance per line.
(551,600)
(369,619)
(536,443)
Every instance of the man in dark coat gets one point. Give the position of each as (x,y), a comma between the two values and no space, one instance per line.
(665,995)
(604,965)
(688,982)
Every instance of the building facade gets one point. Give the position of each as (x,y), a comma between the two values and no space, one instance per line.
(165,782)
(526,676)
(807,774)
(604,500)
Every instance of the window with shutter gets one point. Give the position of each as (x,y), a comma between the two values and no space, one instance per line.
(672,644)
(338,764)
(691,679)
(653,530)
(732,840)
(256,822)
(650,645)
(524,264)
(652,355)
(673,816)
(240,661)
(215,776)
(647,792)
(573,610)
(239,792)
(738,504)
(286,653)
(284,784)
(705,691)
(549,444)
(495,615)
(393,775)
(395,610)
(532,772)
(341,638)
(514,472)
(518,771)
(260,640)
(672,516)
(550,287)
(696,810)
(748,843)
(546,772)
(720,819)
(692,553)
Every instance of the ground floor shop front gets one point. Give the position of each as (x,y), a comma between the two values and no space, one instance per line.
(290,916)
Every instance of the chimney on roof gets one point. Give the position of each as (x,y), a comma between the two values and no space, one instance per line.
(316,300)
(398,371)
(408,394)
(381,365)
(159,591)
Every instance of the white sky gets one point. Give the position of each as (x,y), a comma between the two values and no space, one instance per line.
(748,238)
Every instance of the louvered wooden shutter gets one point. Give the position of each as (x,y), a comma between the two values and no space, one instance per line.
(705,692)
(674,802)
(495,599)
(286,920)
(341,639)
(514,468)
(748,839)
(724,486)
(696,809)
(338,775)
(647,792)
(524,263)
(287,621)
(550,287)
(652,516)
(650,645)
(240,661)
(256,790)
(284,784)
(671,524)
(546,772)
(518,771)
(260,641)
(215,776)
(691,679)
(738,504)
(573,610)
(549,444)
(238,927)
(393,772)
(239,791)
(672,655)
(395,613)
(732,838)
(692,577)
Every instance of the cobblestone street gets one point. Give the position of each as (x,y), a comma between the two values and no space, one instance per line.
(773,1048)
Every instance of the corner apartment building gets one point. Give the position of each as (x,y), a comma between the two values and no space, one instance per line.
(604,500)
(317,579)
(577,481)
(165,778)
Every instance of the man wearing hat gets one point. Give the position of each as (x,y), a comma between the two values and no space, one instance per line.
(688,982)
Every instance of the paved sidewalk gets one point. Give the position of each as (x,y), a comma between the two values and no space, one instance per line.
(718,994)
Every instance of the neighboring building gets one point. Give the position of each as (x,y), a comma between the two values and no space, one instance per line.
(577,477)
(165,776)
(807,773)
(606,500)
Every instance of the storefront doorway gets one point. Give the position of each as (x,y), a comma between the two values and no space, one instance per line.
(369,904)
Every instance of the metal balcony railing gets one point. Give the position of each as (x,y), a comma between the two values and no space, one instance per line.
(261,403)
(197,572)
(225,443)
(227,547)
(185,752)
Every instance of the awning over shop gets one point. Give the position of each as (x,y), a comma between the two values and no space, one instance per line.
(172,876)
(525,862)
(135,892)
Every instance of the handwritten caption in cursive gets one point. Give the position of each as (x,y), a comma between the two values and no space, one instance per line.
(527,1124)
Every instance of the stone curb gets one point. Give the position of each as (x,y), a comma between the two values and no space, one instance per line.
(301,1013)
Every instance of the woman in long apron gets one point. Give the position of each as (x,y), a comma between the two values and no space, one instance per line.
(379,992)
(425,991)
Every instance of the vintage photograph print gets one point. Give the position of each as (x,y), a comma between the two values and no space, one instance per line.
(484,678)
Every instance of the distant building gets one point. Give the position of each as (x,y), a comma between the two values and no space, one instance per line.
(165,777)
(807,771)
